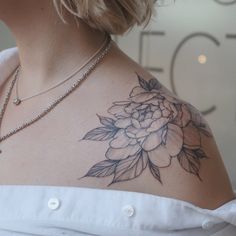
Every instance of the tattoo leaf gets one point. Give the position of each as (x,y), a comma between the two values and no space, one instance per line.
(102,169)
(106,121)
(189,161)
(143,83)
(205,130)
(200,154)
(154,84)
(155,171)
(130,167)
(101,133)
(198,120)
(149,85)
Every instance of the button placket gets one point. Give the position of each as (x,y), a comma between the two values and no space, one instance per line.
(128,210)
(207,224)
(53,203)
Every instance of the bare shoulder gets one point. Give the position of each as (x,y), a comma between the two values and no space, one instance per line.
(159,144)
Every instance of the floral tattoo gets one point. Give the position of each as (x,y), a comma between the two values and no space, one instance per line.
(149,129)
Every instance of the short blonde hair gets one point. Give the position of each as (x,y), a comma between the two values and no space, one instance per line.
(112,16)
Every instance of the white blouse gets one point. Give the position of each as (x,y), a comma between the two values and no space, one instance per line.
(34,210)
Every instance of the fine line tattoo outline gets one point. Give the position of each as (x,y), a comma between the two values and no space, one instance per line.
(149,129)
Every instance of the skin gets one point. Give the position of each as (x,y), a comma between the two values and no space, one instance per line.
(86,141)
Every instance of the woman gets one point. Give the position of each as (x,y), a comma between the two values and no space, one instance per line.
(93,144)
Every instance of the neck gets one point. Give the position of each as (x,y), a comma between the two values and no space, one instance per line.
(48,49)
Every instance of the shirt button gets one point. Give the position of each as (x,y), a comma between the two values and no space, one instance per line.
(128,210)
(53,203)
(207,224)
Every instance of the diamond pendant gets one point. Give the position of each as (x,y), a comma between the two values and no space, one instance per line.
(17,101)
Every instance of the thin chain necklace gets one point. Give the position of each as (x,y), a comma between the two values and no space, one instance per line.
(57,101)
(17,100)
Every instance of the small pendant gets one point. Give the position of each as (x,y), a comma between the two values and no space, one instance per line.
(17,101)
(0,151)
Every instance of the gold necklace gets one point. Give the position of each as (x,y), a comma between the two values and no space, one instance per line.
(57,101)
(17,100)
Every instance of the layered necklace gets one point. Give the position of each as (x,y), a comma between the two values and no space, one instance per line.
(92,62)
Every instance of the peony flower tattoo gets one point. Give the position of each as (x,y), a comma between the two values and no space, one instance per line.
(149,130)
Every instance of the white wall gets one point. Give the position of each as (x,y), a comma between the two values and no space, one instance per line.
(170,48)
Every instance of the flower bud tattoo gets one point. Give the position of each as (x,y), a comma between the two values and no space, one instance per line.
(149,129)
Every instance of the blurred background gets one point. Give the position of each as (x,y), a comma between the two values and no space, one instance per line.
(190,47)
